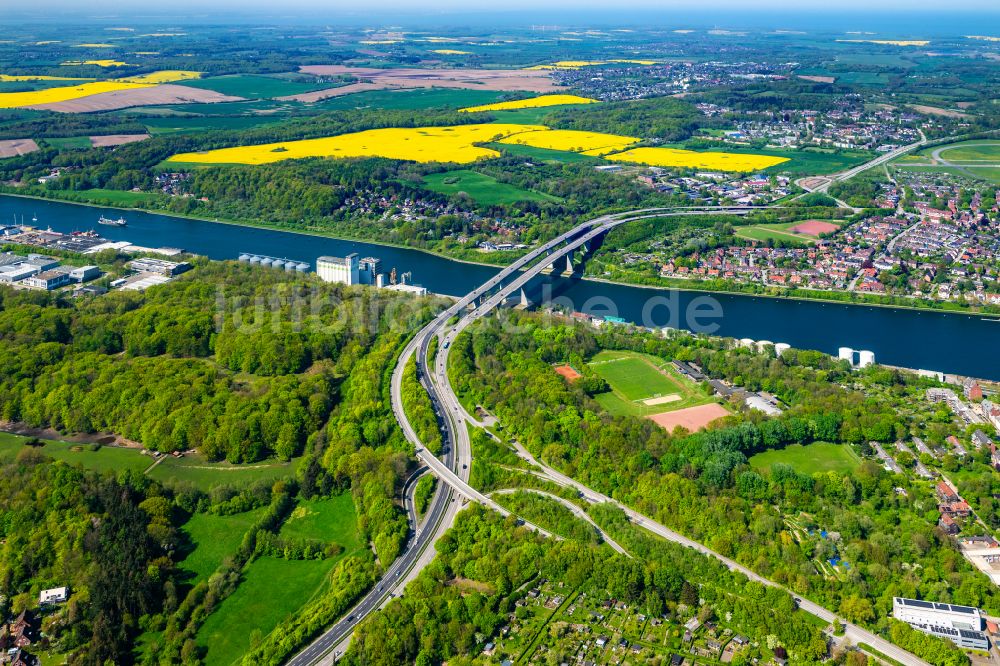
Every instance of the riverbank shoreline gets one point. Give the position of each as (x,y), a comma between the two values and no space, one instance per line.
(261,225)
(804,299)
(667,287)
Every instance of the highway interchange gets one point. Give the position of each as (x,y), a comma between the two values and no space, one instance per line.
(453,467)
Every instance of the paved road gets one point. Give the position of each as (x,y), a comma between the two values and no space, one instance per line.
(576,510)
(453,470)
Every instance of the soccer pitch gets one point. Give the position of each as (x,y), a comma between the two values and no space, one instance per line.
(637,378)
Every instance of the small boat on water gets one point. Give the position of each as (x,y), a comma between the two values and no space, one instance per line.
(120,222)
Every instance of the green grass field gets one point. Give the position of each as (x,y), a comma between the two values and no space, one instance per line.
(780,231)
(805,162)
(973,151)
(69,142)
(809,459)
(764,232)
(191,469)
(992,174)
(205,475)
(484,189)
(332,520)
(171,124)
(252,86)
(543,154)
(214,538)
(635,377)
(426,98)
(271,590)
(105,458)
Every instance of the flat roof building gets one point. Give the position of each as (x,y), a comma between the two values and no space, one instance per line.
(159,266)
(56,595)
(960,624)
(48,280)
(16,273)
(342,270)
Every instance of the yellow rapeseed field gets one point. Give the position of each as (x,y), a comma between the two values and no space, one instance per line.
(569,64)
(34,77)
(577,64)
(888,42)
(99,63)
(449,52)
(66,93)
(162,76)
(671,157)
(62,93)
(531,103)
(420,144)
(94,46)
(576,141)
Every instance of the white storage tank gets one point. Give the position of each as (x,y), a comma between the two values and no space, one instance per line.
(866,358)
(290,266)
(846,354)
(254,259)
(781,348)
(763,344)
(244,257)
(302,267)
(265,261)
(746,342)
(277,263)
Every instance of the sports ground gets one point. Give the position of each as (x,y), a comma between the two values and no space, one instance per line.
(644,385)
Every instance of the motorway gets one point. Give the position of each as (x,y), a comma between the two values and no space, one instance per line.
(453,470)
(444,395)
(878,161)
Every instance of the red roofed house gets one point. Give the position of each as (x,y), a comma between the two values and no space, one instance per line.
(946,493)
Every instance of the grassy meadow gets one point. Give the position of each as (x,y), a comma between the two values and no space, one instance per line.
(480,187)
(810,458)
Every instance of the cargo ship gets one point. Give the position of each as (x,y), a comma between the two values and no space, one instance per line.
(120,222)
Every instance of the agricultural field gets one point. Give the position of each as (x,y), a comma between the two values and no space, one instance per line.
(15,100)
(817,457)
(177,124)
(543,154)
(420,144)
(257,87)
(531,103)
(482,188)
(69,142)
(424,98)
(672,157)
(575,141)
(643,385)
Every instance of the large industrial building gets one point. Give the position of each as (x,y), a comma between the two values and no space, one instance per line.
(344,270)
(960,624)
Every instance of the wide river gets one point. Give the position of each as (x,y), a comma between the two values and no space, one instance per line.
(951,343)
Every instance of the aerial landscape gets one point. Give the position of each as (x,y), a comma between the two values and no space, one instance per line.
(544,333)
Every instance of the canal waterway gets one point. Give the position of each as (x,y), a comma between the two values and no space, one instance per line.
(945,342)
